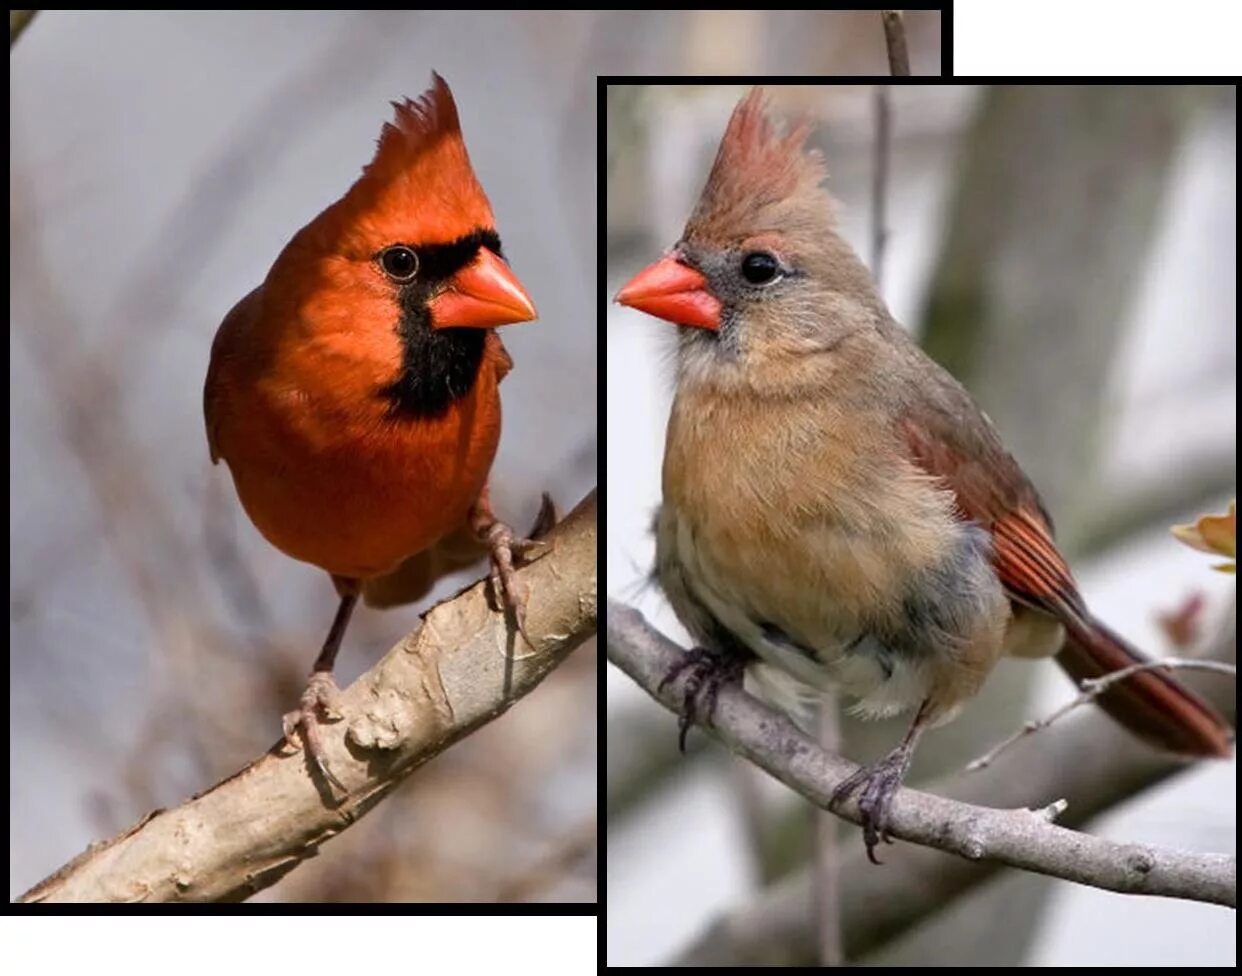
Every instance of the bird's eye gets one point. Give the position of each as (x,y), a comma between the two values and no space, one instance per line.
(760,268)
(399,263)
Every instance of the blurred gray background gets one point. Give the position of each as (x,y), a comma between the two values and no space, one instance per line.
(1070,254)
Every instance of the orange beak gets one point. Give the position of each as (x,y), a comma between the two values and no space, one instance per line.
(674,291)
(482,294)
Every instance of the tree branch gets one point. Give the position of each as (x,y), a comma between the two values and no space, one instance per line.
(1092,688)
(895,38)
(1092,761)
(457,671)
(879,181)
(1020,838)
(828,852)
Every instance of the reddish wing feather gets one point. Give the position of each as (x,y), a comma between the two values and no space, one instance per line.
(1031,567)
(992,490)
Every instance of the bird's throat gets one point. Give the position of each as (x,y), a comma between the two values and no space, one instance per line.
(438,366)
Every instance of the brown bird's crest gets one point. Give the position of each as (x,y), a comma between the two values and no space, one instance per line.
(757,166)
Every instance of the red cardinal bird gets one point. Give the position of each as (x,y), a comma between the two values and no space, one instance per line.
(355,395)
(836,506)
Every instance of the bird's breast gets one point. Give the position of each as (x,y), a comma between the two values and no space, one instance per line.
(806,546)
(335,478)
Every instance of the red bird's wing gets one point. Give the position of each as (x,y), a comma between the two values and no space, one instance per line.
(965,453)
(229,338)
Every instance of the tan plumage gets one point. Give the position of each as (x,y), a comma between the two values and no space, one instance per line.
(752,483)
(835,504)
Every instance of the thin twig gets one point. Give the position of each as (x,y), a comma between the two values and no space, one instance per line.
(879,181)
(895,38)
(827,853)
(1020,838)
(19,20)
(437,686)
(1092,688)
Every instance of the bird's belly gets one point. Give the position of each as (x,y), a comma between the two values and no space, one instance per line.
(356,501)
(785,610)
(841,610)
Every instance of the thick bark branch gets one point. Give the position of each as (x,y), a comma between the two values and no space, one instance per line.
(459,670)
(1020,838)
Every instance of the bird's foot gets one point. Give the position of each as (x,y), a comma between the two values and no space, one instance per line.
(709,670)
(508,548)
(321,696)
(879,783)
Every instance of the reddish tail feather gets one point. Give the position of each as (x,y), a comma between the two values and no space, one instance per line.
(1151,704)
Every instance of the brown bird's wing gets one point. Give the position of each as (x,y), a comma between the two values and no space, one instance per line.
(229,337)
(965,454)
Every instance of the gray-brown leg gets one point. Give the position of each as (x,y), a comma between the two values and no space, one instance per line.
(879,782)
(321,695)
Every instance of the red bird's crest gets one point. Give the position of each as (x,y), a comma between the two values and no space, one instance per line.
(420,186)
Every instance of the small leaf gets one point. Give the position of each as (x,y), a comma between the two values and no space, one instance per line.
(1216,534)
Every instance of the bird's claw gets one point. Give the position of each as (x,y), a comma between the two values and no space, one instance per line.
(321,697)
(708,672)
(508,548)
(879,783)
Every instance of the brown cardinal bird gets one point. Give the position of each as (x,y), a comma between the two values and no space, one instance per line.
(836,507)
(355,394)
